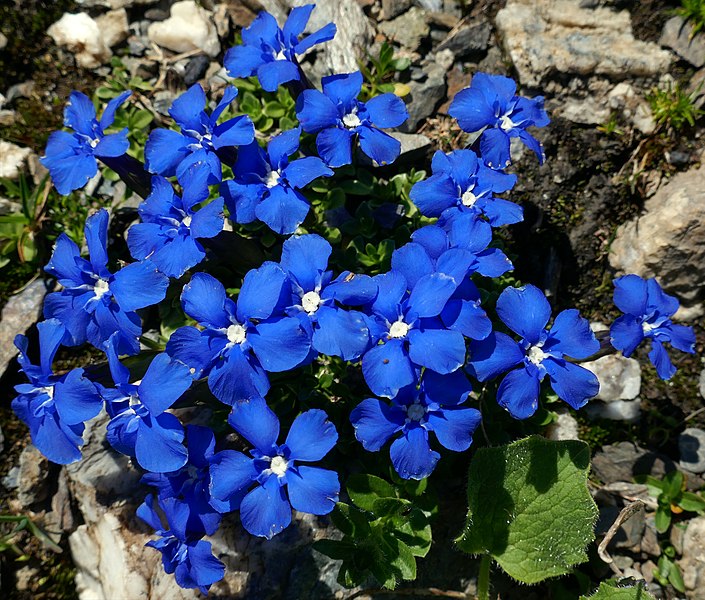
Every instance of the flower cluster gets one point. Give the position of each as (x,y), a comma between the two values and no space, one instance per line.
(421,332)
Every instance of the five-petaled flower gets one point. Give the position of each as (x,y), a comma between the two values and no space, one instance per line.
(338,117)
(281,483)
(648,311)
(491,102)
(540,352)
(71,157)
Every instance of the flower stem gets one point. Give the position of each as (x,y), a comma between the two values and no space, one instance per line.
(483,578)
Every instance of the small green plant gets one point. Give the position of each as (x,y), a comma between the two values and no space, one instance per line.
(671,497)
(692,11)
(269,111)
(611,126)
(672,107)
(379,72)
(22,523)
(120,81)
(668,570)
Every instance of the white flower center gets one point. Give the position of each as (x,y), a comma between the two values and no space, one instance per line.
(415,412)
(506,123)
(648,327)
(280,55)
(279,465)
(399,329)
(48,390)
(94,143)
(272,179)
(468,198)
(536,355)
(351,120)
(101,288)
(187,221)
(310,302)
(236,334)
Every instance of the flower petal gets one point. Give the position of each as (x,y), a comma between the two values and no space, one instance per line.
(440,350)
(303,171)
(340,333)
(231,474)
(387,110)
(660,359)
(571,335)
(525,311)
(265,511)
(315,111)
(203,298)
(158,445)
(412,456)
(256,422)
(273,74)
(311,436)
(280,345)
(375,422)
(334,146)
(164,151)
(493,356)
(313,490)
(139,285)
(261,292)
(284,209)
(306,258)
(379,146)
(573,383)
(626,334)
(164,383)
(387,369)
(454,427)
(519,393)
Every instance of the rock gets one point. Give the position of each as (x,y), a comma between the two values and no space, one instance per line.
(7,207)
(19,313)
(701,383)
(468,39)
(32,482)
(393,8)
(633,108)
(82,36)
(692,563)
(691,444)
(668,240)
(20,90)
(3,41)
(629,535)
(624,460)
(425,95)
(189,28)
(113,27)
(676,35)
(11,481)
(407,30)
(26,578)
(114,4)
(413,146)
(221,18)
(585,111)
(543,37)
(565,427)
(619,377)
(12,158)
(617,410)
(195,69)
(2,441)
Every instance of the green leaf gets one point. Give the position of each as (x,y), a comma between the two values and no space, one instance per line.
(529,507)
(692,502)
(416,533)
(350,520)
(673,483)
(609,590)
(662,518)
(364,490)
(390,507)
(141,119)
(335,549)
(400,556)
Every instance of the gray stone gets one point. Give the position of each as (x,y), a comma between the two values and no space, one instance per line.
(586,111)
(12,159)
(676,35)
(691,444)
(19,313)
(629,535)
(2,441)
(565,427)
(624,460)
(11,481)
(3,41)
(393,8)
(189,28)
(692,562)
(701,383)
(543,37)
(408,29)
(413,146)
(668,240)
(619,377)
(195,69)
(113,27)
(82,36)
(425,96)
(32,482)
(8,207)
(469,39)
(617,410)
(114,3)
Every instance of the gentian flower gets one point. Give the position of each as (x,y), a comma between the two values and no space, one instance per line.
(54,407)
(408,332)
(433,406)
(95,303)
(201,139)
(648,311)
(281,483)
(190,483)
(462,183)
(139,425)
(270,52)
(240,341)
(491,102)
(266,184)
(315,298)
(183,553)
(338,117)
(170,228)
(71,157)
(539,353)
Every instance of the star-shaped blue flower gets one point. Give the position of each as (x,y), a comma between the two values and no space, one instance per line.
(648,311)
(338,117)
(71,157)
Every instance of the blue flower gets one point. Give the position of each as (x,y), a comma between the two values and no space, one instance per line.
(281,483)
(170,229)
(462,183)
(491,102)
(266,184)
(338,117)
(139,425)
(539,353)
(240,342)
(201,139)
(54,407)
(190,483)
(408,333)
(71,157)
(433,406)
(184,554)
(95,303)
(648,311)
(270,52)
(315,296)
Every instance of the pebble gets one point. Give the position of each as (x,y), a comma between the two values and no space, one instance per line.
(619,377)
(188,28)
(82,36)
(12,159)
(195,69)
(33,483)
(676,35)
(691,444)
(408,29)
(617,410)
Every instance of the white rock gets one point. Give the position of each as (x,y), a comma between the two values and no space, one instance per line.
(565,427)
(82,36)
(619,377)
(545,36)
(619,410)
(691,444)
(692,563)
(12,159)
(586,111)
(188,28)
(701,383)
(3,41)
(113,27)
(634,108)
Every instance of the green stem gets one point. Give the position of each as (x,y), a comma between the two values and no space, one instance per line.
(483,578)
